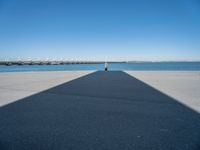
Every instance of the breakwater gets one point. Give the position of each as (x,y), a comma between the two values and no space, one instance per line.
(9,63)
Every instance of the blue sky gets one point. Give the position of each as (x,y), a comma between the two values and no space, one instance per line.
(100,29)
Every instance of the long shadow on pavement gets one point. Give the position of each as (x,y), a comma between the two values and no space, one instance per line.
(102,110)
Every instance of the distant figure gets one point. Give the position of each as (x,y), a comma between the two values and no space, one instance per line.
(106,66)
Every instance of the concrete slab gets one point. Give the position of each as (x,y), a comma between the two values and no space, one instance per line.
(184,86)
(17,85)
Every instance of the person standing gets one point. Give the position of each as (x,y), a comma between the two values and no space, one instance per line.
(106,66)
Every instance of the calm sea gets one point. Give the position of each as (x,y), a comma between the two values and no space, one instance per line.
(166,66)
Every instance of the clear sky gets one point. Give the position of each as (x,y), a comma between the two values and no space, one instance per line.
(100,29)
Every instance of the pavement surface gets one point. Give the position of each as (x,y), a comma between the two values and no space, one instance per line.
(102,110)
(17,85)
(183,86)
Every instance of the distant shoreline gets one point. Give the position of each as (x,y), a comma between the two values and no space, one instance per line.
(10,63)
(112,66)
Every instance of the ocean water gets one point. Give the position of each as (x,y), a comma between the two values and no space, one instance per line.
(164,66)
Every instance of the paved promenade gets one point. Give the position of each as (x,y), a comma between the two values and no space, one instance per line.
(17,85)
(184,86)
(101,110)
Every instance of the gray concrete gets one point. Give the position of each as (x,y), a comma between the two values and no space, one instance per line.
(102,110)
(184,86)
(17,85)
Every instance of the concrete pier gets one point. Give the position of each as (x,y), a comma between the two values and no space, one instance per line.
(98,110)
(17,85)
